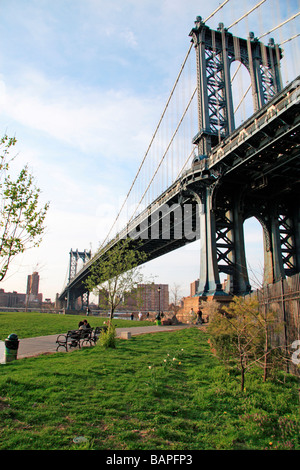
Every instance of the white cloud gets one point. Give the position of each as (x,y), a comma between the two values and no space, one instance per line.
(108,122)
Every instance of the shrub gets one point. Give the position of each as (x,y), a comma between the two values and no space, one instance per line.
(237,335)
(108,337)
(240,336)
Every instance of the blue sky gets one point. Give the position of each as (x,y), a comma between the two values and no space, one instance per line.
(82,87)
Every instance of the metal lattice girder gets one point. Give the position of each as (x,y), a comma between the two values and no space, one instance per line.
(215,52)
(288,249)
(225,245)
(85,300)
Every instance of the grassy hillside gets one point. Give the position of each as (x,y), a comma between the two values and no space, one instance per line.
(155,391)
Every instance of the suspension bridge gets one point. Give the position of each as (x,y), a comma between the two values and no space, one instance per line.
(226,148)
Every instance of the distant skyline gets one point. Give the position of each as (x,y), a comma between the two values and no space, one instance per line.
(82,87)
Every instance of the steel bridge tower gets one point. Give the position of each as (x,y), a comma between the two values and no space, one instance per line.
(75,256)
(224,208)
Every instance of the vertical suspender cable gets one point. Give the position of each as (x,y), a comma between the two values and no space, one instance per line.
(162,116)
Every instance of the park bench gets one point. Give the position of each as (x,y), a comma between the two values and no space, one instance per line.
(81,337)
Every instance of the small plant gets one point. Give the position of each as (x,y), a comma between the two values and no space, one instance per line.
(158,373)
(173,360)
(108,337)
(153,382)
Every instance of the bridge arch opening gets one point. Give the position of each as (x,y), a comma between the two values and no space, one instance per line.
(80,264)
(254,251)
(241,92)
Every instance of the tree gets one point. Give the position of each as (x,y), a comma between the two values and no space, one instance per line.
(240,335)
(116,273)
(175,296)
(21,219)
(272,356)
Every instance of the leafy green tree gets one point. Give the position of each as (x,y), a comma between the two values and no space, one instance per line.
(116,273)
(21,219)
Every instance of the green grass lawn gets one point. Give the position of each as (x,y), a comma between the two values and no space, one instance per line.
(32,324)
(155,391)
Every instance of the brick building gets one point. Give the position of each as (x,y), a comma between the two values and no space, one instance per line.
(151,299)
(11,299)
(193,287)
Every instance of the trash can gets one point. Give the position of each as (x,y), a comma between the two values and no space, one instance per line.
(11,347)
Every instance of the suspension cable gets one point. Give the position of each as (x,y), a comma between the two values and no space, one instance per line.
(246,14)
(281,24)
(166,151)
(242,99)
(263,35)
(216,11)
(290,39)
(159,123)
(152,139)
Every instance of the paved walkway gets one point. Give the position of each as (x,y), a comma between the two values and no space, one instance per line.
(29,347)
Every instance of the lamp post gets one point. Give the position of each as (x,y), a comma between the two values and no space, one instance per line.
(158,290)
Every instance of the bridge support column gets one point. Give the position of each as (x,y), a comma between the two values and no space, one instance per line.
(277,272)
(268,276)
(236,268)
(209,280)
(71,299)
(281,229)
(222,247)
(85,300)
(287,229)
(74,294)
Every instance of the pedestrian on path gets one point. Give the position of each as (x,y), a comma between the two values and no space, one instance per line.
(199,317)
